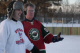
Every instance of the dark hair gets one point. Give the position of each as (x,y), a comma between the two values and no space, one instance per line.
(10,8)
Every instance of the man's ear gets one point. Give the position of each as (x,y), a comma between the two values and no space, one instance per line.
(25,10)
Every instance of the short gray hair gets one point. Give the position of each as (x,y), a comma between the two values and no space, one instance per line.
(29,4)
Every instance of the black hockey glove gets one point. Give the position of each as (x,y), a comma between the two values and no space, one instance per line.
(35,50)
(57,38)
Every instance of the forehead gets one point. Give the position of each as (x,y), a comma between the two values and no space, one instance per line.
(18,9)
(29,7)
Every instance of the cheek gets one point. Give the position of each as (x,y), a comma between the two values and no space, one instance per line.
(15,13)
(32,13)
(21,12)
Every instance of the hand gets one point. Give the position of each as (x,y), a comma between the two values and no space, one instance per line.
(57,38)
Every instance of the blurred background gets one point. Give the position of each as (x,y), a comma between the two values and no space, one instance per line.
(57,15)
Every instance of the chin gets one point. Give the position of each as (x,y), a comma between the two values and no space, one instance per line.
(32,17)
(18,18)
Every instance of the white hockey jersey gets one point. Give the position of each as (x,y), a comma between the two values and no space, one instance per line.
(13,38)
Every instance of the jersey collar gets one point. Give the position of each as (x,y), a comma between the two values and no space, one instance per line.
(14,20)
(30,20)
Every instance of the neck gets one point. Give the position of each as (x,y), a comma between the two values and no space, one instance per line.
(30,20)
(16,18)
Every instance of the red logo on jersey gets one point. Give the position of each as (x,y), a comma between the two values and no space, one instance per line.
(19,32)
(20,41)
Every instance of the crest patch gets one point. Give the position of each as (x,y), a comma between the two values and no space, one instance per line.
(34,34)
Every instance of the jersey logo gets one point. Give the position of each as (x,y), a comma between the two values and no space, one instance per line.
(34,34)
(20,40)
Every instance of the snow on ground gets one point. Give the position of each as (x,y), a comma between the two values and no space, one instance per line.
(60,25)
(70,44)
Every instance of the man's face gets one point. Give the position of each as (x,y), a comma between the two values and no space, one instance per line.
(30,12)
(17,14)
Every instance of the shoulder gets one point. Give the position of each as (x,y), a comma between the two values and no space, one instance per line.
(37,21)
(23,21)
(4,22)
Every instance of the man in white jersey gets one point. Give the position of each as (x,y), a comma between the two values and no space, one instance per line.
(12,36)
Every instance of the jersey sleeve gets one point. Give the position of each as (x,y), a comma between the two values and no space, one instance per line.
(47,35)
(3,36)
(29,46)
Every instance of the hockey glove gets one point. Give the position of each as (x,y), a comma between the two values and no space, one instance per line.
(57,38)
